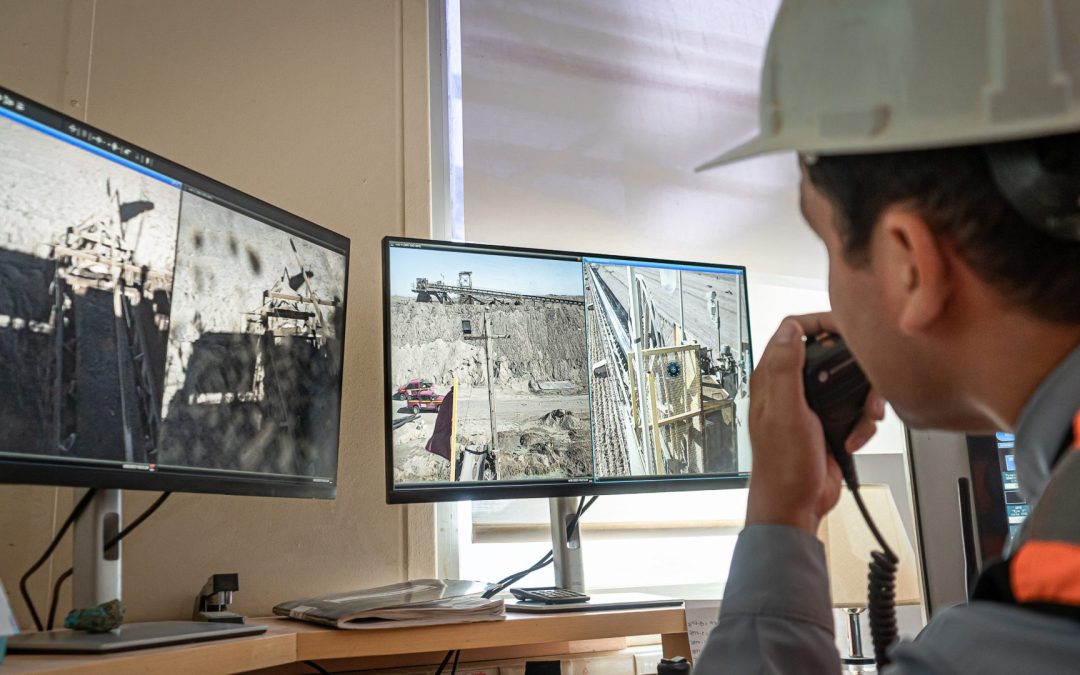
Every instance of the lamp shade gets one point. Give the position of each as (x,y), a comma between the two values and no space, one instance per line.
(849,542)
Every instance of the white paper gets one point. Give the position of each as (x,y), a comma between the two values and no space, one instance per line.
(701,618)
(7,617)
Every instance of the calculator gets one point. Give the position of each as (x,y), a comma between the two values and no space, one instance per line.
(550,595)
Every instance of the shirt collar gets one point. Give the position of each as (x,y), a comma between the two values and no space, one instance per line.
(1045,424)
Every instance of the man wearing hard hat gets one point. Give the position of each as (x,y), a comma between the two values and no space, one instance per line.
(939,144)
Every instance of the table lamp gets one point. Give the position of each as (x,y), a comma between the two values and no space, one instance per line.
(848,543)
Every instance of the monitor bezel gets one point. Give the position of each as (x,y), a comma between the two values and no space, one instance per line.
(538,488)
(41,470)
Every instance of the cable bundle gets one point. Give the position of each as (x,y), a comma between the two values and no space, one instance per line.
(881,591)
(882,603)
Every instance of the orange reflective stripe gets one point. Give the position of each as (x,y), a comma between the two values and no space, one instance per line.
(1046,571)
(1076,431)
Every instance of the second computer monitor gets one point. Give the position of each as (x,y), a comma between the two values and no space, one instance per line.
(516,373)
(159,330)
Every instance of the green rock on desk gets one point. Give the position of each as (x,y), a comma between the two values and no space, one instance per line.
(100,619)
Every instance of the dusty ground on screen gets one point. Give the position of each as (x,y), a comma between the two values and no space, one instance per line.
(539,384)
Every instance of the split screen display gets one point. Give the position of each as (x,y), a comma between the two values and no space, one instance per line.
(520,366)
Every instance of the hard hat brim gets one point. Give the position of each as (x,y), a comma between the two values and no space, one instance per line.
(755,147)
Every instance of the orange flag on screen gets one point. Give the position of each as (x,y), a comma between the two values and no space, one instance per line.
(442,439)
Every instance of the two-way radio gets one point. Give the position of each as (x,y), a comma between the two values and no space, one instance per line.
(836,389)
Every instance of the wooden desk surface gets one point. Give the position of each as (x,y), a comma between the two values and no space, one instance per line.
(314,642)
(292,641)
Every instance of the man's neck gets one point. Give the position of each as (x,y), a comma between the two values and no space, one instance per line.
(1008,359)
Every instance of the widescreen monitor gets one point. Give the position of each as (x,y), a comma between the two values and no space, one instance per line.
(524,373)
(159,330)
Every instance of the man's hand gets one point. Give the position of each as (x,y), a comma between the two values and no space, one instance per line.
(794,481)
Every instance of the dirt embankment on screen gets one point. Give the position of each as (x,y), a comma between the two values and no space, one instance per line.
(544,343)
(539,386)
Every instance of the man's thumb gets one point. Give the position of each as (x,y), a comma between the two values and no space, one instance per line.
(784,355)
(788,332)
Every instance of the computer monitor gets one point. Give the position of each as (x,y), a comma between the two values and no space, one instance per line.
(999,508)
(992,508)
(158,329)
(968,507)
(515,372)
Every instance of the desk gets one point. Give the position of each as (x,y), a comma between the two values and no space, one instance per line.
(289,642)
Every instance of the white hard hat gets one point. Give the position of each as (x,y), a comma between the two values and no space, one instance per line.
(861,76)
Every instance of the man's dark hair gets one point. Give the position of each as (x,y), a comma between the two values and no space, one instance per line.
(953,190)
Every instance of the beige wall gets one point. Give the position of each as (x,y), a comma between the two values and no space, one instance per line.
(319,107)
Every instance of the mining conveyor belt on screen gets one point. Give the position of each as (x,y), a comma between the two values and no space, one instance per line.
(619,452)
(465,295)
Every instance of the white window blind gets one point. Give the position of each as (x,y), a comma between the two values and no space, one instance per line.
(582,121)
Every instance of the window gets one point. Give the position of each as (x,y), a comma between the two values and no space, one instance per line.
(581,122)
(674,543)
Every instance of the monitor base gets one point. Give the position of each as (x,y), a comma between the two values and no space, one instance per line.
(598,602)
(128,636)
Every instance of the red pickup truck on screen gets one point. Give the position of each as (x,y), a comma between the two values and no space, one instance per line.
(425,402)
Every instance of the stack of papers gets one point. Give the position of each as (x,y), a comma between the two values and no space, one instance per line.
(421,602)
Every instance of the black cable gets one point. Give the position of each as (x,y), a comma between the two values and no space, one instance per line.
(56,595)
(80,506)
(512,579)
(138,521)
(881,591)
(116,539)
(317,668)
(881,580)
(582,506)
(547,558)
(446,659)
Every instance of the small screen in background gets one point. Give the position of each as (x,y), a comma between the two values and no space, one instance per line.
(1016,509)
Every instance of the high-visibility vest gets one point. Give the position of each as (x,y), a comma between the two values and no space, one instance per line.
(1043,572)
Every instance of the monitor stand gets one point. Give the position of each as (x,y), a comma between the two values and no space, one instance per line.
(570,572)
(569,564)
(97,579)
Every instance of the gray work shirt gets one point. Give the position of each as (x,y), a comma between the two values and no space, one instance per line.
(776,616)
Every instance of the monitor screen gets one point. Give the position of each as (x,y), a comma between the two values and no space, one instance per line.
(159,330)
(517,373)
(1016,507)
(999,508)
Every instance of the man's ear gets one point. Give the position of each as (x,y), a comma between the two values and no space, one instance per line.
(915,268)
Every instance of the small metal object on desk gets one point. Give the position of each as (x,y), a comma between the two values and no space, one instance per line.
(213,601)
(676,665)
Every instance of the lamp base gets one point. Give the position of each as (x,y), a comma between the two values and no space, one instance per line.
(856,661)
(858,664)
